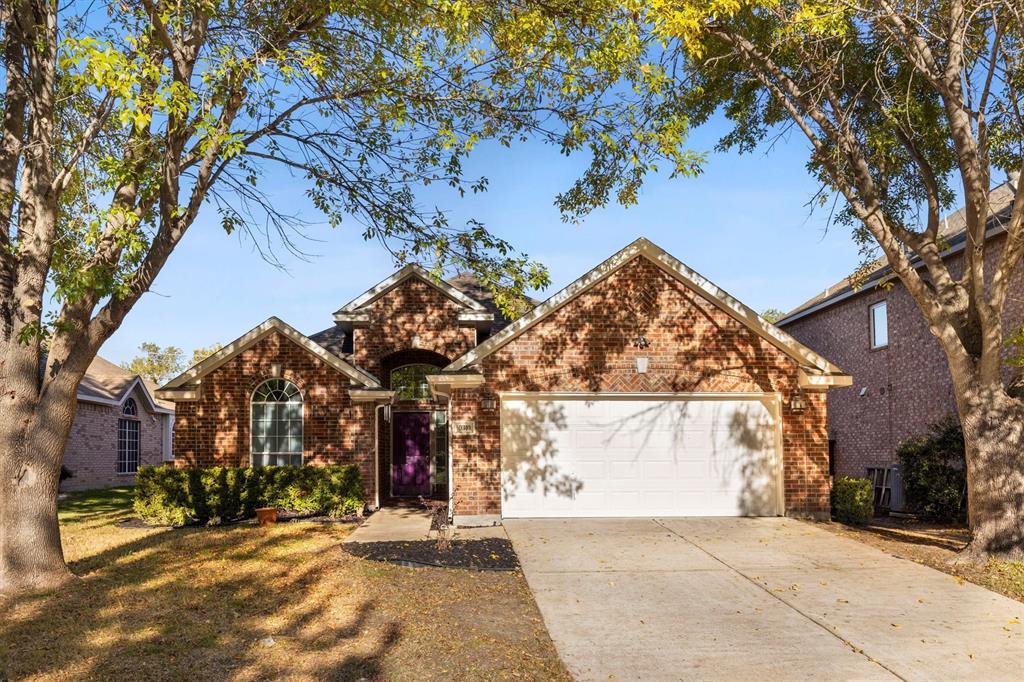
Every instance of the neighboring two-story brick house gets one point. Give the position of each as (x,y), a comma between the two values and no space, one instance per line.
(876,333)
(641,389)
(119,425)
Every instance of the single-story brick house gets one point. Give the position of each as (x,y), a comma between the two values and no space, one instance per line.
(119,425)
(901,382)
(640,389)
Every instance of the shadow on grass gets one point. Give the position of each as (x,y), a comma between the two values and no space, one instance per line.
(85,503)
(913,536)
(201,603)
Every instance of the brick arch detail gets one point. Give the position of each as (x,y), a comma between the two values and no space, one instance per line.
(410,356)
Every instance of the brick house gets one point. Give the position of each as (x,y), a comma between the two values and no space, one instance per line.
(119,424)
(640,389)
(901,382)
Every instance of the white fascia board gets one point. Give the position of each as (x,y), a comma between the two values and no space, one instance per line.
(248,339)
(811,380)
(180,394)
(689,278)
(476,317)
(136,383)
(411,270)
(362,395)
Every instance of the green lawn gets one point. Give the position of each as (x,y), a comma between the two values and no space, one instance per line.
(201,603)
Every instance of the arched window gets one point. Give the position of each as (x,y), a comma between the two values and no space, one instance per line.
(276,424)
(409,382)
(128,438)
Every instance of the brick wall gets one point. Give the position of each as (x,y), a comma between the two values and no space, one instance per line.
(214,430)
(414,308)
(906,385)
(588,345)
(91,451)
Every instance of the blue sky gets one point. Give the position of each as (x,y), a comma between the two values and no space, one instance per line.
(744,224)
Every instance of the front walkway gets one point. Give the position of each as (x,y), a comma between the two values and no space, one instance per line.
(409,524)
(755,599)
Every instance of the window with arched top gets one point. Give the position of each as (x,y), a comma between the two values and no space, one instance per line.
(409,382)
(276,424)
(128,438)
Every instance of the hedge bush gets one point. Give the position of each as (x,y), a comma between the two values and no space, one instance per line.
(933,471)
(853,500)
(177,497)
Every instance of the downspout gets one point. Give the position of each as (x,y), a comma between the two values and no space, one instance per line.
(376,454)
(451,464)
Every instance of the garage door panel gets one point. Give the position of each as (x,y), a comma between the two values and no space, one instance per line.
(613,457)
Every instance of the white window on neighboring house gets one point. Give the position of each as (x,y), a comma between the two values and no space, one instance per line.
(878,316)
(128,439)
(168,442)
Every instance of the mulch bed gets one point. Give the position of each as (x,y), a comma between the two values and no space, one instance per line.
(485,554)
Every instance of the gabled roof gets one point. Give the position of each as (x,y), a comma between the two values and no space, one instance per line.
(105,383)
(951,230)
(182,387)
(351,309)
(642,247)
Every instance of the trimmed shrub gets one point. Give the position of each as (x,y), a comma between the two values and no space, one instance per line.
(853,500)
(177,497)
(933,469)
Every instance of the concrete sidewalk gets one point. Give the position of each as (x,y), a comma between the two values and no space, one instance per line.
(755,599)
(407,524)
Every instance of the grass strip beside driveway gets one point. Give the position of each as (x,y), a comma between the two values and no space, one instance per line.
(244,602)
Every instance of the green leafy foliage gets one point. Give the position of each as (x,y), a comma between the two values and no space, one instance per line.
(155,364)
(177,497)
(853,500)
(933,470)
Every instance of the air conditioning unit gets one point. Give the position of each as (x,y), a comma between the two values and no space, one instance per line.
(896,500)
(888,489)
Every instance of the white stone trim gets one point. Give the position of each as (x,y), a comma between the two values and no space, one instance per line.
(386,285)
(689,278)
(247,340)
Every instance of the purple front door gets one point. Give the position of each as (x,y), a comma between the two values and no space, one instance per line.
(410,447)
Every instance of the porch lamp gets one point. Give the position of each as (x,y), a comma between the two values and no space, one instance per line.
(797,403)
(488,403)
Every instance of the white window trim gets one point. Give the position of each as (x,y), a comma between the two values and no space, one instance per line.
(130,419)
(168,439)
(302,452)
(871,324)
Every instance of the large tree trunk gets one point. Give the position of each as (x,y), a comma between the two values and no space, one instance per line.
(33,434)
(993,425)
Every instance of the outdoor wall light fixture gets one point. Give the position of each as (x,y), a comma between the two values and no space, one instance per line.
(641,342)
(641,365)
(796,403)
(488,403)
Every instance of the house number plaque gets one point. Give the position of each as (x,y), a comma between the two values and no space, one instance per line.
(465,427)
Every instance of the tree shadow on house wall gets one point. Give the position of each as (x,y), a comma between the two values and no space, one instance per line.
(592,345)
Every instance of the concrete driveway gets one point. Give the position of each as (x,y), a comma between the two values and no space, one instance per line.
(756,599)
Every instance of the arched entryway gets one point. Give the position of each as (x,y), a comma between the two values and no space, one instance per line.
(414,444)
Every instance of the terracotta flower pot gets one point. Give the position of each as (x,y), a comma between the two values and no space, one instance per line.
(266,515)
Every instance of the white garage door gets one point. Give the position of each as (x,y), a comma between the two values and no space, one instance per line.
(589,456)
